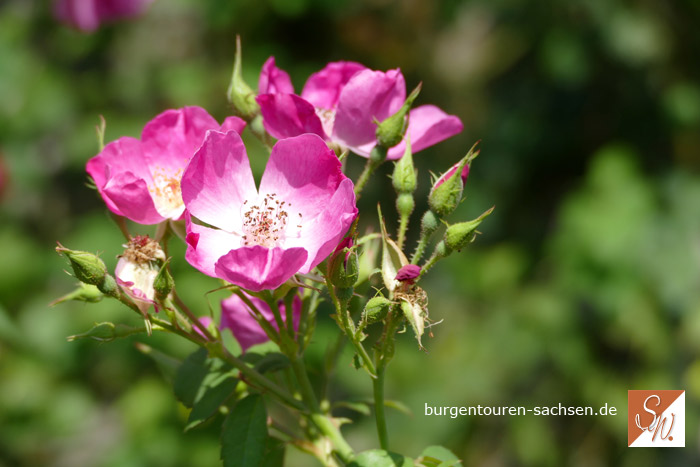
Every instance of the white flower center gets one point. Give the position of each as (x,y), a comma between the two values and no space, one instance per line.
(327,117)
(265,223)
(167,195)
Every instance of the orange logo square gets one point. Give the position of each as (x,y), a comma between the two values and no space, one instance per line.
(656,418)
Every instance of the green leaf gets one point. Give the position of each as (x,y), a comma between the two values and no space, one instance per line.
(244,437)
(190,376)
(380,458)
(215,390)
(274,361)
(438,456)
(274,453)
(392,257)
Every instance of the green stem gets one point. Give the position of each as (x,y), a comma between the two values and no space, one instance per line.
(403,226)
(322,422)
(420,248)
(378,387)
(348,329)
(430,263)
(364,177)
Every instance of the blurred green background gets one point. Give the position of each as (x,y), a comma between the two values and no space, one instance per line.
(584,284)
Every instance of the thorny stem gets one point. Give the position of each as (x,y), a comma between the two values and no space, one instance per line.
(367,172)
(378,387)
(195,321)
(403,226)
(350,332)
(420,248)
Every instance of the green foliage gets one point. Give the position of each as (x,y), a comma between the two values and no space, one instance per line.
(244,440)
(380,458)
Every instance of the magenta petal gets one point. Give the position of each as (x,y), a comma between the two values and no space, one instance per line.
(258,268)
(369,96)
(205,246)
(303,172)
(172,137)
(233,124)
(427,125)
(237,316)
(131,196)
(321,235)
(322,89)
(81,14)
(218,180)
(274,80)
(287,115)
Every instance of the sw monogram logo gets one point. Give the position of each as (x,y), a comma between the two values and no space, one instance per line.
(656,419)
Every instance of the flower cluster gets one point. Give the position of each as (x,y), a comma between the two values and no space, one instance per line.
(274,244)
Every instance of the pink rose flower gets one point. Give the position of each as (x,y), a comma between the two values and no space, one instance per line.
(262,237)
(240,319)
(341,102)
(87,15)
(140,179)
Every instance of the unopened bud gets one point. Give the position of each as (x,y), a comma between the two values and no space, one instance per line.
(447,190)
(90,269)
(240,95)
(164,283)
(376,309)
(405,204)
(390,132)
(404,177)
(461,234)
(343,267)
(408,273)
(429,223)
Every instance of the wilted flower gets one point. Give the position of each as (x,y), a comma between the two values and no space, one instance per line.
(303,207)
(137,269)
(342,103)
(87,15)
(140,179)
(408,273)
(237,316)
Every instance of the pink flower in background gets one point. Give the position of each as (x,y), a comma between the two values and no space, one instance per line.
(140,179)
(239,318)
(88,15)
(264,236)
(341,102)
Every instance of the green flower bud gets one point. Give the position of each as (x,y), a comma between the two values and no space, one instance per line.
(87,267)
(404,176)
(405,204)
(240,95)
(376,309)
(429,223)
(343,267)
(163,284)
(447,190)
(390,132)
(460,235)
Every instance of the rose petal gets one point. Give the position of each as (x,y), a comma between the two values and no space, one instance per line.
(205,246)
(233,124)
(427,125)
(369,96)
(237,316)
(322,89)
(287,115)
(218,180)
(320,235)
(131,196)
(258,268)
(274,80)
